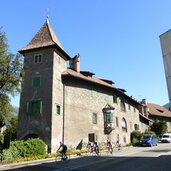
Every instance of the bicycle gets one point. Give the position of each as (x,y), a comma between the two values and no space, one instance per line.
(94,151)
(60,157)
(118,146)
(109,150)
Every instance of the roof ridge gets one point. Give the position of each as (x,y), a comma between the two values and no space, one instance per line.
(53,36)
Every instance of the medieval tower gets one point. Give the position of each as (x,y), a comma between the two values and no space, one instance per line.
(41,101)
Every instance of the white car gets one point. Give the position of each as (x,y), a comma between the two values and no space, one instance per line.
(166,138)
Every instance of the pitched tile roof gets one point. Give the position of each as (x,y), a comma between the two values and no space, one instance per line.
(157,110)
(45,37)
(91,79)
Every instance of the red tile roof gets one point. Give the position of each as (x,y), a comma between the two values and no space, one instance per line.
(91,79)
(44,37)
(157,110)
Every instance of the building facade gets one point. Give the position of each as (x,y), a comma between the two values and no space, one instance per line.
(165,40)
(66,104)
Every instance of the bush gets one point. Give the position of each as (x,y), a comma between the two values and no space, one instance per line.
(25,149)
(136,137)
(34,147)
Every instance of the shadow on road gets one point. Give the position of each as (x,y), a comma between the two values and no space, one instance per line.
(99,163)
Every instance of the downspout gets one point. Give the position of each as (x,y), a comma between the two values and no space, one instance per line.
(63,121)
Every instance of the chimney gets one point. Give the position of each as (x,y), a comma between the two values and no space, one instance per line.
(75,63)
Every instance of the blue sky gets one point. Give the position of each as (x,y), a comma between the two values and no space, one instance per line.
(117,39)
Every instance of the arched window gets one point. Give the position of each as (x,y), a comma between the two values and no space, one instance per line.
(123,108)
(124,125)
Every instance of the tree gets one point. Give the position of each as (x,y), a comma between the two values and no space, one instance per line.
(10,75)
(159,127)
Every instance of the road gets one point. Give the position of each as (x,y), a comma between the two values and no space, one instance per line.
(156,158)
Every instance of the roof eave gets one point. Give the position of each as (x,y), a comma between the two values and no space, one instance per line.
(55,45)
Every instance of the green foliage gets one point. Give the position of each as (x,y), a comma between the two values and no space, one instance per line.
(19,145)
(149,132)
(6,156)
(12,128)
(159,127)
(10,75)
(136,134)
(32,148)
(135,142)
(135,137)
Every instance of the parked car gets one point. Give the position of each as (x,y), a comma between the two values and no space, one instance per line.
(149,140)
(166,138)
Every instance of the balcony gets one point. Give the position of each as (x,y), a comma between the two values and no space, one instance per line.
(108,119)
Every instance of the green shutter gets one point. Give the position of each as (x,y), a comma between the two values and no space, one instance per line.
(29,108)
(118,100)
(36,82)
(40,107)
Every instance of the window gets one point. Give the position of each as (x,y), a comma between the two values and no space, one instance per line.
(123,108)
(38,58)
(124,139)
(117,122)
(116,99)
(108,117)
(136,127)
(91,137)
(124,125)
(129,106)
(34,107)
(36,81)
(58,108)
(134,109)
(94,118)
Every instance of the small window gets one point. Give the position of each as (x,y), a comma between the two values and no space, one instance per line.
(122,105)
(116,99)
(94,118)
(117,122)
(38,58)
(129,106)
(36,81)
(34,107)
(136,127)
(58,108)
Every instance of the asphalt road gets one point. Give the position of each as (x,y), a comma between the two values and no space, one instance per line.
(156,158)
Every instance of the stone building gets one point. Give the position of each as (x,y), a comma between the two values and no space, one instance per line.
(157,112)
(66,104)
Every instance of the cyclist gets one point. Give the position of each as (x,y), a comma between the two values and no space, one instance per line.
(118,145)
(96,148)
(62,149)
(109,147)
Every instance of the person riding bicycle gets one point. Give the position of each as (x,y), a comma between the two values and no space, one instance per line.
(118,145)
(62,149)
(109,147)
(96,148)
